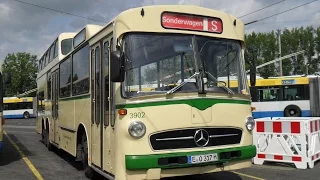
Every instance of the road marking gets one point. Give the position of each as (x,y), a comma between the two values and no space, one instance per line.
(26,160)
(247,175)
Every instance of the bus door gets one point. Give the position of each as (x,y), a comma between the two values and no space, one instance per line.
(107,128)
(96,106)
(54,104)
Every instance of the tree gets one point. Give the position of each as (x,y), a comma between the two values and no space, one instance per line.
(263,47)
(22,67)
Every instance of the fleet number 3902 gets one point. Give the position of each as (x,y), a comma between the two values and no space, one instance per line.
(137,115)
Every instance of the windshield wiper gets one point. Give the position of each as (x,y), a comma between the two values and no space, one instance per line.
(183,83)
(223,86)
(149,92)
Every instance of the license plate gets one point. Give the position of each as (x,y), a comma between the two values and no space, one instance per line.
(202,158)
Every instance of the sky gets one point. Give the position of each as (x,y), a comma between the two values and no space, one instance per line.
(25,28)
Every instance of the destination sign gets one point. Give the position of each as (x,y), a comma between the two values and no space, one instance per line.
(288,82)
(191,22)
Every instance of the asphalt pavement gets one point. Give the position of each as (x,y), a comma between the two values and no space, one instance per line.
(25,157)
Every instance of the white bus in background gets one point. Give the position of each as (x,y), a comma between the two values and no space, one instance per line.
(287,96)
(18,107)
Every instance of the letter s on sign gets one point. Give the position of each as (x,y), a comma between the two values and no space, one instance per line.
(214,26)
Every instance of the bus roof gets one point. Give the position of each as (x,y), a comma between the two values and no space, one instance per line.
(54,53)
(84,34)
(186,19)
(282,81)
(17,100)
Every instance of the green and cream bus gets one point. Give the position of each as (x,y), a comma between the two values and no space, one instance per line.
(139,98)
(60,47)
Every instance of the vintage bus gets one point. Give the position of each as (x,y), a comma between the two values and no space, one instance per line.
(60,47)
(107,114)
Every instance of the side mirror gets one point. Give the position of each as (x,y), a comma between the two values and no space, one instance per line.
(253,92)
(6,78)
(252,75)
(117,66)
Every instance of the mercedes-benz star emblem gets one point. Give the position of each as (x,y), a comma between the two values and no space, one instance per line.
(201,137)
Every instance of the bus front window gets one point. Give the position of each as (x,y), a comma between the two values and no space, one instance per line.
(222,65)
(156,63)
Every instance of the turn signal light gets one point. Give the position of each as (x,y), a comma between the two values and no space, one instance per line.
(253,108)
(122,112)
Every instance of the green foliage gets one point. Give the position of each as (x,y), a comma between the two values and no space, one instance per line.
(263,47)
(23,68)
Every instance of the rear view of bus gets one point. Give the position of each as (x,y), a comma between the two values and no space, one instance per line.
(175,114)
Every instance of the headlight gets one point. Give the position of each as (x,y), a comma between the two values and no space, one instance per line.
(250,123)
(137,129)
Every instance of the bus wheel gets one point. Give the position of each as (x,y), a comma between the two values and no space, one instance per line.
(292,111)
(44,137)
(26,115)
(88,171)
(49,145)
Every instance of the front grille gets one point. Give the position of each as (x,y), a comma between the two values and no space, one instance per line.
(186,138)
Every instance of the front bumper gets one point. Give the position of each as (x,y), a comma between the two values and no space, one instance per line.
(180,159)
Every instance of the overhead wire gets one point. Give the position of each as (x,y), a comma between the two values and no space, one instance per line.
(59,11)
(261,8)
(301,21)
(279,13)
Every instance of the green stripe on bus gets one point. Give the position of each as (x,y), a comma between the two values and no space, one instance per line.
(86,96)
(200,104)
(144,162)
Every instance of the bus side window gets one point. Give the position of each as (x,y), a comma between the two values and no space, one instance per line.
(106,82)
(112,123)
(6,106)
(41,101)
(268,94)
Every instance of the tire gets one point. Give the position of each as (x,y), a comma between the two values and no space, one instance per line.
(44,137)
(292,111)
(88,171)
(49,145)
(26,115)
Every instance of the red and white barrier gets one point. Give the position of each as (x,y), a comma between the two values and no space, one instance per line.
(314,138)
(288,140)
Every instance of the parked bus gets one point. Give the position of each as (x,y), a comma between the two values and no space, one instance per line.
(1,112)
(4,79)
(99,113)
(288,96)
(15,107)
(58,49)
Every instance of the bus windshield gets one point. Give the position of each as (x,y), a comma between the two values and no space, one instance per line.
(156,63)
